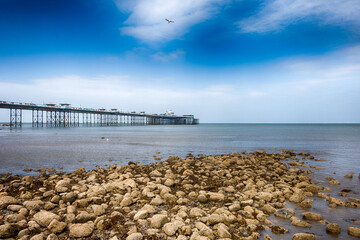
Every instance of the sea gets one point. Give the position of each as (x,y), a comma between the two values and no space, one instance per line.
(67,149)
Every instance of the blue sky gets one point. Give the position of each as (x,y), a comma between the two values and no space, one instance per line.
(224,61)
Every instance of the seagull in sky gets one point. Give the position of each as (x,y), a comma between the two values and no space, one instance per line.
(169,21)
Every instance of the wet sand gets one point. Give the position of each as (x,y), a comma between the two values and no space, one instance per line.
(235,196)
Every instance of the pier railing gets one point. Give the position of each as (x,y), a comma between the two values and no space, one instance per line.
(51,115)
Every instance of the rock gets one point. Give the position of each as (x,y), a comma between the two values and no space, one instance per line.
(56,227)
(158,220)
(171,228)
(98,209)
(235,207)
(297,197)
(303,236)
(202,198)
(298,223)
(266,196)
(156,201)
(81,229)
(52,237)
(333,228)
(35,205)
(169,182)
(44,218)
(155,173)
(141,214)
(127,201)
(33,225)
(261,217)
(311,188)
(267,208)
(349,175)
(284,213)
(135,236)
(84,217)
(62,185)
(216,197)
(334,182)
(354,231)
(312,216)
(129,183)
(14,218)
(267,237)
(249,202)
(306,203)
(215,218)
(70,197)
(204,230)
(38,237)
(14,208)
(8,230)
(149,208)
(7,200)
(23,233)
(223,231)
(196,212)
(279,230)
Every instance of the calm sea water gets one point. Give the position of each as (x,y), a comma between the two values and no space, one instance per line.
(71,148)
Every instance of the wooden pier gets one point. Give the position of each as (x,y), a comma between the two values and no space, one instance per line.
(64,115)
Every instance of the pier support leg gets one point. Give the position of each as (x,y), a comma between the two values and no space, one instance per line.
(15,118)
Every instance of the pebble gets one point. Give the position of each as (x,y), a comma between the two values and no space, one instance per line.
(81,229)
(303,236)
(333,228)
(312,216)
(354,231)
(158,220)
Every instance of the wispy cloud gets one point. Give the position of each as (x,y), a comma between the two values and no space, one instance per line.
(278,14)
(147,17)
(165,57)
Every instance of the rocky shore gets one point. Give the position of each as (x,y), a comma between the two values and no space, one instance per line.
(205,197)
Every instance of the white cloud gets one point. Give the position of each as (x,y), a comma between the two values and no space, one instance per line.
(278,14)
(147,17)
(165,57)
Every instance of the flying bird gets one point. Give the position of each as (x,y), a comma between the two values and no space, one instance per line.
(169,21)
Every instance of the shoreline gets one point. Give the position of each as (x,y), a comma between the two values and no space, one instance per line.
(229,196)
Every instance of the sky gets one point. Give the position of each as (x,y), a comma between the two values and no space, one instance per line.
(240,61)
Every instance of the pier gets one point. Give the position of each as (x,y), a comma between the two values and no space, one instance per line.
(64,115)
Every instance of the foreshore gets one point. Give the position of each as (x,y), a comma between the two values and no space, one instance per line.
(228,196)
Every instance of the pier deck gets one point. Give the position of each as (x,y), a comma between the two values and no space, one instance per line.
(64,115)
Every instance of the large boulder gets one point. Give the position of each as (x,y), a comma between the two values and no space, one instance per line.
(354,231)
(303,236)
(8,230)
(135,236)
(35,205)
(158,220)
(44,218)
(63,185)
(312,216)
(56,227)
(216,196)
(81,229)
(7,200)
(171,228)
(333,228)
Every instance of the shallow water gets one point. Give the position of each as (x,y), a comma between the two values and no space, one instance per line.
(71,148)
(66,147)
